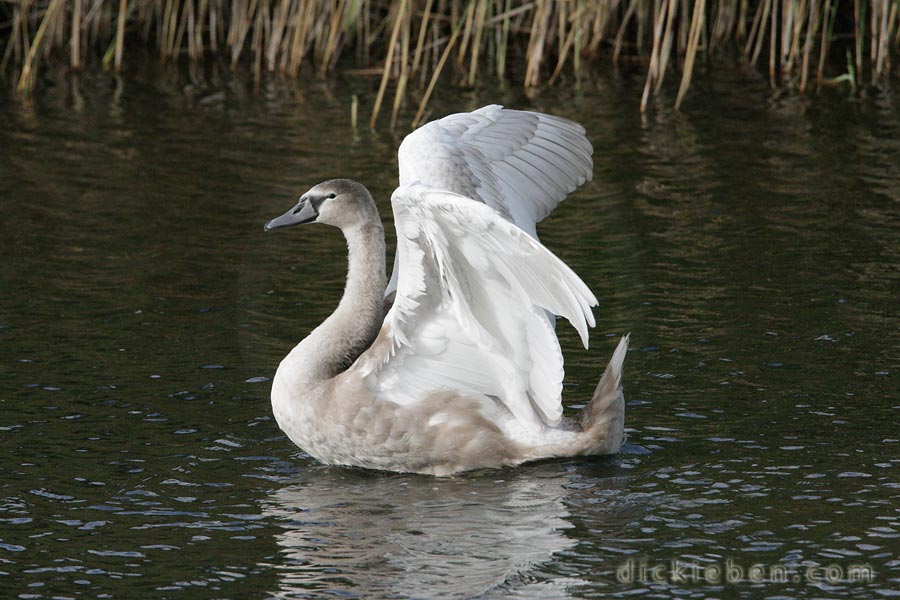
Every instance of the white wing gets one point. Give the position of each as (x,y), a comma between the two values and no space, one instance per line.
(523,164)
(469,310)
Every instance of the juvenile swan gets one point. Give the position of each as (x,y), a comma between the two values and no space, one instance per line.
(464,371)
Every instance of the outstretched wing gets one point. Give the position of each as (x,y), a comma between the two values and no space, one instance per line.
(469,310)
(522,164)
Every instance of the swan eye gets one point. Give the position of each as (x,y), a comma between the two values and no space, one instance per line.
(331,196)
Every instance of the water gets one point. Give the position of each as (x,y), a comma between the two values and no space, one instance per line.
(750,244)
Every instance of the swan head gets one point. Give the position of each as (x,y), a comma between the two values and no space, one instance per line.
(343,203)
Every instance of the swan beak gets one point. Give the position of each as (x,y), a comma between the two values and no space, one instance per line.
(304,212)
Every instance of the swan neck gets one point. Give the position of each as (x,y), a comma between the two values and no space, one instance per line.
(333,346)
(366,278)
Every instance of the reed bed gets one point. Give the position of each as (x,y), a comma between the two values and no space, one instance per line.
(412,44)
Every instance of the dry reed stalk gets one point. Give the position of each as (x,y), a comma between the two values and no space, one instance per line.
(301,30)
(420,40)
(318,38)
(873,27)
(395,32)
(404,68)
(256,40)
(535,52)
(721,24)
(467,32)
(620,34)
(569,40)
(278,29)
(237,30)
(12,44)
(164,27)
(859,19)
(896,35)
(398,97)
(190,28)
(690,56)
(480,13)
(197,53)
(186,9)
(811,28)
(666,44)
(595,25)
(882,16)
(284,35)
(282,51)
(641,24)
(434,77)
(757,31)
(509,13)
(75,47)
(800,17)
(827,28)
(120,34)
(773,41)
(787,30)
(333,40)
(214,21)
(653,70)
(561,17)
(503,38)
(885,58)
(26,81)
(54,33)
(579,23)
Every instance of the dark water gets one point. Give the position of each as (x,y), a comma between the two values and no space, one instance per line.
(751,244)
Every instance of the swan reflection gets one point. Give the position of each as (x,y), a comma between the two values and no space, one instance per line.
(355,534)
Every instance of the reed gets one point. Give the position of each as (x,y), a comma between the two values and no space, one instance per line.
(409,44)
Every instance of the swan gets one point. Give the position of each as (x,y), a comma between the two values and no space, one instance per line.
(465,370)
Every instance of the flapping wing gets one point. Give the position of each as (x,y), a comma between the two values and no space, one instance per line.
(469,310)
(522,164)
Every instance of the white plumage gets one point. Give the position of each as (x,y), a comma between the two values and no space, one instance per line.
(520,163)
(464,371)
(468,313)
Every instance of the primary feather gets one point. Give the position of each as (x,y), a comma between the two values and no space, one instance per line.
(520,163)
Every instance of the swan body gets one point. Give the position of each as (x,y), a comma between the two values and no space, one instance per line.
(464,371)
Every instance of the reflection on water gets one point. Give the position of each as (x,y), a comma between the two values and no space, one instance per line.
(751,247)
(371,536)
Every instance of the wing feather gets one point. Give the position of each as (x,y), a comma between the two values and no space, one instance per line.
(478,155)
(469,313)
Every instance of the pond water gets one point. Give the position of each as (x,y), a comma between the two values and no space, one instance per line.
(750,244)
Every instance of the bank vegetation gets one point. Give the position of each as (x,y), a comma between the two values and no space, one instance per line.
(410,45)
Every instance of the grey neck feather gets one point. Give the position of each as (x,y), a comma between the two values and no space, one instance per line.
(333,346)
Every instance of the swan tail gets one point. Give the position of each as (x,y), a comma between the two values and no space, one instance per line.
(603,419)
